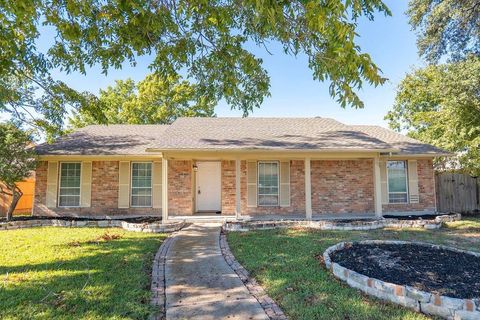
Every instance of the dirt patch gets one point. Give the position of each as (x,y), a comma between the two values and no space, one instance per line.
(416,217)
(440,271)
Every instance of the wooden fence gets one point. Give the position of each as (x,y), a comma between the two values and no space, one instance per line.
(25,203)
(457,192)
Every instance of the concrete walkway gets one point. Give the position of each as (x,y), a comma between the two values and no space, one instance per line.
(200,284)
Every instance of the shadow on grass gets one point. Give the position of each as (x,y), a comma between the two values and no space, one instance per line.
(106,280)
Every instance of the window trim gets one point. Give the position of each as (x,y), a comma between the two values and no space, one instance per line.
(60,184)
(131,185)
(278,183)
(406,182)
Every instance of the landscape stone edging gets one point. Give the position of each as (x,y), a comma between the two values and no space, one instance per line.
(158,286)
(343,226)
(272,310)
(156,227)
(421,301)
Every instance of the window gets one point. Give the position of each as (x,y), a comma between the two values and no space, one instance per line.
(397,181)
(141,184)
(268,183)
(69,190)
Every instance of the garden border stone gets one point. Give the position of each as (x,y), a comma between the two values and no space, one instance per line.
(271,308)
(421,301)
(354,225)
(152,227)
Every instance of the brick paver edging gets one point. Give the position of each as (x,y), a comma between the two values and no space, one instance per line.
(158,288)
(272,310)
(421,301)
(341,225)
(153,227)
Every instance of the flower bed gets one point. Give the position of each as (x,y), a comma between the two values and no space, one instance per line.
(432,279)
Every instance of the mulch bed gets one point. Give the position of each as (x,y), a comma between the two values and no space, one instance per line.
(439,271)
(132,219)
(415,217)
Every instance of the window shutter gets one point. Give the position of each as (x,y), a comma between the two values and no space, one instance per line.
(124,184)
(383,180)
(157,184)
(285,184)
(251,183)
(413,181)
(52,184)
(86,187)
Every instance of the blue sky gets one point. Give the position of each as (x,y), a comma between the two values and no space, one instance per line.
(294,93)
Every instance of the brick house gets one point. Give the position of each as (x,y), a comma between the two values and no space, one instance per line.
(307,168)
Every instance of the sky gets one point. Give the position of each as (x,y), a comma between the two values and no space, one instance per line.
(389,40)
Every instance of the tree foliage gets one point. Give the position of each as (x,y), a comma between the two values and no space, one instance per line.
(17,160)
(446,28)
(440,105)
(207,42)
(150,101)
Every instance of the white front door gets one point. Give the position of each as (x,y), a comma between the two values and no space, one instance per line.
(209,186)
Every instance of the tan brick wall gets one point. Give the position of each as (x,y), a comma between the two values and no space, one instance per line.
(342,186)
(228,187)
(426,189)
(180,196)
(297,192)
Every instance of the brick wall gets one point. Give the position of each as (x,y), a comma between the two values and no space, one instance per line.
(180,196)
(426,189)
(228,187)
(342,186)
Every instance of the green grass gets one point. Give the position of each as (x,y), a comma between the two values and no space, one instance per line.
(285,263)
(75,273)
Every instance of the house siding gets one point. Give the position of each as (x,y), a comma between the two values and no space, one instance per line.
(342,186)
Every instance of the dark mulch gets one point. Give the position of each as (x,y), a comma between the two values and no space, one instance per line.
(132,219)
(415,217)
(439,271)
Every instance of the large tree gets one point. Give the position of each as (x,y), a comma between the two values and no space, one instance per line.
(17,160)
(441,105)
(153,100)
(448,28)
(208,42)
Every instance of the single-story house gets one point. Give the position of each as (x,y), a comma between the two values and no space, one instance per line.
(235,167)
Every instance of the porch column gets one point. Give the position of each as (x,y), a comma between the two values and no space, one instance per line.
(164,190)
(238,198)
(377,187)
(308,190)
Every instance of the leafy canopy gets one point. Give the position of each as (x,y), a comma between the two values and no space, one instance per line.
(152,100)
(440,105)
(446,28)
(205,41)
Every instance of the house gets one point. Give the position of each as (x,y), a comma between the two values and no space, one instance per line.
(235,167)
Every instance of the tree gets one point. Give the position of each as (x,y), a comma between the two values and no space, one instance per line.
(446,28)
(206,41)
(152,100)
(440,105)
(17,160)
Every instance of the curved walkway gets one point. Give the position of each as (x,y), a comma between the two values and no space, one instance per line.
(199,284)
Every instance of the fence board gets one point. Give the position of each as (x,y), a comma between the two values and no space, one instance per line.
(457,192)
(25,203)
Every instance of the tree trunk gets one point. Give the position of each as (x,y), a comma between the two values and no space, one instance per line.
(16,195)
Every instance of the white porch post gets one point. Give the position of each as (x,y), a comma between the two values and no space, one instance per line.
(238,198)
(377,186)
(164,190)
(308,190)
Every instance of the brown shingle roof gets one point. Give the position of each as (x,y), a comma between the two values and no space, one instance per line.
(321,134)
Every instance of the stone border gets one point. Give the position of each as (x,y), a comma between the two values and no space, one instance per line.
(272,310)
(158,286)
(340,225)
(421,301)
(155,227)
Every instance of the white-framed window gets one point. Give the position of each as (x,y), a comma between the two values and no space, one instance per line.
(141,186)
(268,183)
(69,186)
(397,181)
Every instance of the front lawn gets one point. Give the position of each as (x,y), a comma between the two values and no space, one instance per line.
(75,273)
(285,263)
